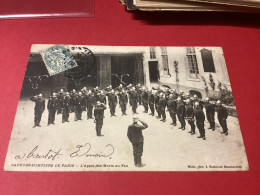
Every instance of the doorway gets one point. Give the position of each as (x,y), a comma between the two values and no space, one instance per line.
(153,71)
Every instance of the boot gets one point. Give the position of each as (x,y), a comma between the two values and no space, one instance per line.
(139,162)
(135,160)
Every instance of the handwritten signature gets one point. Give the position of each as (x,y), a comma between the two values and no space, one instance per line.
(81,151)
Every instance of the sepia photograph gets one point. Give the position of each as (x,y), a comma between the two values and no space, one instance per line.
(126,108)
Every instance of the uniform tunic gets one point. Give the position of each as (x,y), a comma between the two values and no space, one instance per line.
(162,105)
(66,109)
(145,100)
(222,118)
(181,113)
(172,106)
(135,136)
(52,107)
(151,102)
(90,102)
(123,99)
(112,102)
(99,116)
(200,118)
(210,113)
(190,117)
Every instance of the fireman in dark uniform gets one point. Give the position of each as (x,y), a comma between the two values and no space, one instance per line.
(66,108)
(108,89)
(90,103)
(38,109)
(156,102)
(210,113)
(123,99)
(189,111)
(195,99)
(100,97)
(174,94)
(52,108)
(133,97)
(139,93)
(222,117)
(181,112)
(60,97)
(145,100)
(130,94)
(129,87)
(119,88)
(167,94)
(172,106)
(151,101)
(162,106)
(84,96)
(200,118)
(112,102)
(96,90)
(181,95)
(78,107)
(99,116)
(135,136)
(73,96)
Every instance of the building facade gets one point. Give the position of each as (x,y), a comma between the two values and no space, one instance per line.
(187,68)
(182,68)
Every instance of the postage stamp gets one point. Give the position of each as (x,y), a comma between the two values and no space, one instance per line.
(58,59)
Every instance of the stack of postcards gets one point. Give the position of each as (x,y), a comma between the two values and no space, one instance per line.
(252,6)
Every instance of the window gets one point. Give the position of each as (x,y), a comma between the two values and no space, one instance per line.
(152,53)
(165,61)
(207,60)
(192,60)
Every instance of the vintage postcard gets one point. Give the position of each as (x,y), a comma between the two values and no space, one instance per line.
(126,108)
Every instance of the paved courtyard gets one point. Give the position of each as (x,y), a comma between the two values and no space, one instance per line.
(166,148)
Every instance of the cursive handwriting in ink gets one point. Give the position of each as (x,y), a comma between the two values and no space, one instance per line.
(84,150)
(51,154)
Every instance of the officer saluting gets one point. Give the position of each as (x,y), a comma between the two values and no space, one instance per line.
(99,116)
(135,136)
(38,109)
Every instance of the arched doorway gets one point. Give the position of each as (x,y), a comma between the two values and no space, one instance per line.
(194,92)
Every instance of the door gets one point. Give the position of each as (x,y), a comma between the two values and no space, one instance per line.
(153,71)
(139,72)
(104,71)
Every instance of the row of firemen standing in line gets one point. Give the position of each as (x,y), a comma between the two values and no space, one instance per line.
(156,99)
